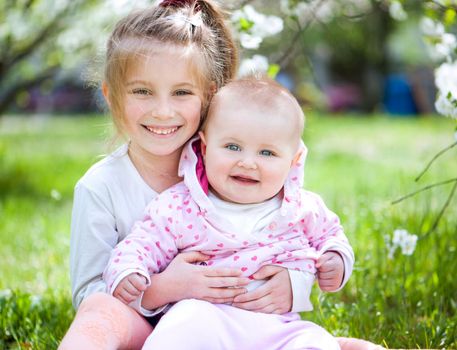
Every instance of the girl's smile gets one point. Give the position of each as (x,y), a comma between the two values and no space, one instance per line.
(162,131)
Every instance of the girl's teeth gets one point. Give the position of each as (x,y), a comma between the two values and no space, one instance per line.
(162,131)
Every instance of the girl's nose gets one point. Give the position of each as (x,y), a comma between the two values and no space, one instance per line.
(162,109)
(247,163)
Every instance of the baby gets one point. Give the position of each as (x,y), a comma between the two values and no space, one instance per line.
(242,203)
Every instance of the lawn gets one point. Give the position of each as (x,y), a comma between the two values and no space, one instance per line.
(359,165)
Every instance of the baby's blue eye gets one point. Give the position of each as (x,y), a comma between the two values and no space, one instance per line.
(266,153)
(233,147)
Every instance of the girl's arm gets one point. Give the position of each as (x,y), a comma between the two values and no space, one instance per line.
(185,278)
(93,236)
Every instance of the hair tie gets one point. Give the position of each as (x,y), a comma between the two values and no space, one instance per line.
(180,3)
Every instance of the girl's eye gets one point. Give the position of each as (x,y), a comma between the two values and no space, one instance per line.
(266,153)
(233,147)
(183,92)
(140,91)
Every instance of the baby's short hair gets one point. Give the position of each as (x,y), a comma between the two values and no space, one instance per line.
(262,91)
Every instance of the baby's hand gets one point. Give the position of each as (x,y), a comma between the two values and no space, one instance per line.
(330,271)
(130,288)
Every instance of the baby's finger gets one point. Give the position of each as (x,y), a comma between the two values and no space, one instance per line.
(129,288)
(328,266)
(326,275)
(139,282)
(125,296)
(323,259)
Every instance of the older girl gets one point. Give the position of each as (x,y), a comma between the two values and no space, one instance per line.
(162,66)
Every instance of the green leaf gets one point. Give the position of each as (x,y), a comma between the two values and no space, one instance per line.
(245,25)
(273,70)
(449,17)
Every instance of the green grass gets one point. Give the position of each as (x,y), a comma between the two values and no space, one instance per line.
(359,165)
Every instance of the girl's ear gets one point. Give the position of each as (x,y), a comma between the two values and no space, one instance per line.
(203,143)
(105,92)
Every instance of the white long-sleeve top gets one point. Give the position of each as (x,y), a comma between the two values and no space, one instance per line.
(108,200)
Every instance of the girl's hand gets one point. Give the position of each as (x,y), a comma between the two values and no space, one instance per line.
(182,279)
(130,288)
(330,271)
(273,297)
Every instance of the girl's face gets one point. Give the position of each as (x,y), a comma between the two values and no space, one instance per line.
(162,103)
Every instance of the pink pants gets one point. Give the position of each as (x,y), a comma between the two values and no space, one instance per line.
(195,324)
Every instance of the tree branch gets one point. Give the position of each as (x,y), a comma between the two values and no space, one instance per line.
(283,60)
(444,7)
(424,189)
(433,159)
(443,209)
(7,62)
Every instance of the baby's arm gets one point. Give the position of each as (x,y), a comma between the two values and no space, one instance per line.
(148,249)
(326,235)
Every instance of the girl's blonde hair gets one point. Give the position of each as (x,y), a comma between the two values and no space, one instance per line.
(196,25)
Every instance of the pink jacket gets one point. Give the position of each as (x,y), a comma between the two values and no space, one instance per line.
(183,218)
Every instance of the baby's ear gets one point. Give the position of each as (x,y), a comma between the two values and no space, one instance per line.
(105,92)
(213,87)
(203,144)
(296,157)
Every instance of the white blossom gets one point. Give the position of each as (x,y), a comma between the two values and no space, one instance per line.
(262,26)
(56,195)
(431,28)
(35,300)
(6,294)
(401,239)
(256,63)
(445,48)
(249,41)
(408,244)
(446,83)
(397,11)
(441,45)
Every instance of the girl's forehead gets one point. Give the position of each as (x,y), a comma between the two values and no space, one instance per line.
(143,53)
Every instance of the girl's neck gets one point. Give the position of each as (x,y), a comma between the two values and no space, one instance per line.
(158,171)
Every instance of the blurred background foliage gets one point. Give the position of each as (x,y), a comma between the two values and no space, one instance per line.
(341,56)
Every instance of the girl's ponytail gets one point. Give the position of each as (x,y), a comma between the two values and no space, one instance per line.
(227,50)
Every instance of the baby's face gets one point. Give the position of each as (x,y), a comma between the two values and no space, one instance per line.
(249,151)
